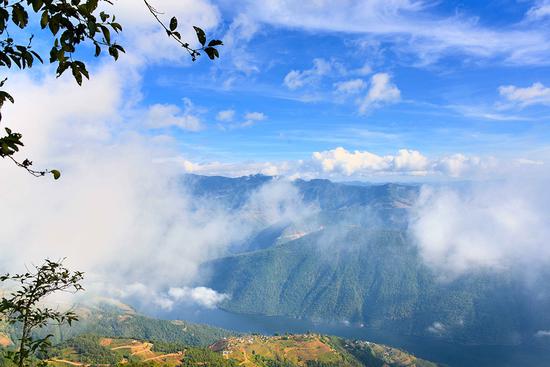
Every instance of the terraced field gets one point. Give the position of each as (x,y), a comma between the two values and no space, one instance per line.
(122,351)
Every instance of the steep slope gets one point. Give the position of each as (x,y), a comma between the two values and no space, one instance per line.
(306,350)
(121,321)
(375,278)
(312,350)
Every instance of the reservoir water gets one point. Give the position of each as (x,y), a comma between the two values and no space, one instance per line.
(434,349)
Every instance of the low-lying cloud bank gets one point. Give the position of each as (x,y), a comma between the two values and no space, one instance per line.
(342,164)
(117,213)
(500,225)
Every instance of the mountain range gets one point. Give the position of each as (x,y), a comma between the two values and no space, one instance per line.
(353,260)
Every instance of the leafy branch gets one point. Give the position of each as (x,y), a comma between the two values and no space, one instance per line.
(69,23)
(171,31)
(24,306)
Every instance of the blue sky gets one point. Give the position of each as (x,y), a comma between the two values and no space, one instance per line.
(447,90)
(439,83)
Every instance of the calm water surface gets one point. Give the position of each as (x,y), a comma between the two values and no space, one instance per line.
(432,349)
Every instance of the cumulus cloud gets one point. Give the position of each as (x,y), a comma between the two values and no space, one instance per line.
(203,296)
(350,86)
(296,79)
(497,225)
(535,94)
(349,163)
(381,91)
(146,43)
(166,115)
(225,115)
(340,159)
(458,165)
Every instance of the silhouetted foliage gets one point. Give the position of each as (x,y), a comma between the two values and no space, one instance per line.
(68,25)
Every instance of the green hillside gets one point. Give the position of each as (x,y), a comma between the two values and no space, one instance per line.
(306,350)
(371,277)
(117,320)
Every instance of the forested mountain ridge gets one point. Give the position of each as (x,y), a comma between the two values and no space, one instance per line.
(354,261)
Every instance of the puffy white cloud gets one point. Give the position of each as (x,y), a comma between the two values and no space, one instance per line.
(381,91)
(456,165)
(225,115)
(203,296)
(410,160)
(340,161)
(296,79)
(496,225)
(166,115)
(535,94)
(350,86)
(348,163)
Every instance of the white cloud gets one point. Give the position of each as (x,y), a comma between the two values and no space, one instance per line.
(457,165)
(166,115)
(542,334)
(410,160)
(366,69)
(255,116)
(535,94)
(350,86)
(437,328)
(240,32)
(340,161)
(225,115)
(203,296)
(296,79)
(499,225)
(540,10)
(381,91)
(348,163)
(118,213)
(410,25)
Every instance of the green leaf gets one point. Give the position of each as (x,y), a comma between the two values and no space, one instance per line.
(76,73)
(106,34)
(173,24)
(6,95)
(19,15)
(215,43)
(200,35)
(211,52)
(37,5)
(56,174)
